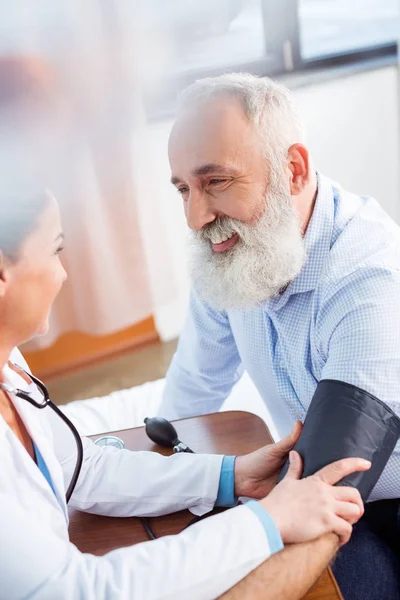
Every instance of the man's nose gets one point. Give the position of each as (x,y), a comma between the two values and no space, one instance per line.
(198,211)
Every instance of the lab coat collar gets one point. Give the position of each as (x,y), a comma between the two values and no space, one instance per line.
(35,421)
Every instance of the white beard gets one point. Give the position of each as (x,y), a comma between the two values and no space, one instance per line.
(266,258)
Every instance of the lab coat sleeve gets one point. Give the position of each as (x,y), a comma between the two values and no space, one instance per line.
(121,483)
(205,367)
(200,563)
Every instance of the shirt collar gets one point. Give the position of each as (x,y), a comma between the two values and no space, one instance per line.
(317,243)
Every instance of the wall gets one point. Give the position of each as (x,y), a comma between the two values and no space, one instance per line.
(75,350)
(353,133)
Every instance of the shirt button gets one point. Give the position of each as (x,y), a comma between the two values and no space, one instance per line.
(282,364)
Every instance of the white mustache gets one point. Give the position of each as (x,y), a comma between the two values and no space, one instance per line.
(217,231)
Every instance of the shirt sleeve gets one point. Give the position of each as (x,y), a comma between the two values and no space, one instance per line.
(358,333)
(205,366)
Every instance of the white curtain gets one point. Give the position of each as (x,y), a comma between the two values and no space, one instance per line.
(117,257)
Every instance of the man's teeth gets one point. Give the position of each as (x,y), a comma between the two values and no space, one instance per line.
(217,238)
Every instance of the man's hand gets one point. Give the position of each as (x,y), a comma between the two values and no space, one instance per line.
(306,509)
(256,474)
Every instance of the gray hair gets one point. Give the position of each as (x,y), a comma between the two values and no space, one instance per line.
(268,104)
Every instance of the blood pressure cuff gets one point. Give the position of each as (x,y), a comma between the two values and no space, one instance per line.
(344,421)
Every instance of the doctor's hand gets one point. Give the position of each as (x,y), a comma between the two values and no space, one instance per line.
(306,509)
(256,473)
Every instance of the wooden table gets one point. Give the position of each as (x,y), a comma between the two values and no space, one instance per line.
(228,433)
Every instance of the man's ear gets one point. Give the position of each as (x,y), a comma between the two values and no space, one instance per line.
(299,167)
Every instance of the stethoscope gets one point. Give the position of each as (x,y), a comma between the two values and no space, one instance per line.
(46,401)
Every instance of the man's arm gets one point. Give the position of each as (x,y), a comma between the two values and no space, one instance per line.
(358,332)
(205,366)
(289,574)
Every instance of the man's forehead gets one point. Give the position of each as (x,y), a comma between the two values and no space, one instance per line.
(211,131)
(219,114)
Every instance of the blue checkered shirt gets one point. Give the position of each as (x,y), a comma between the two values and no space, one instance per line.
(339,319)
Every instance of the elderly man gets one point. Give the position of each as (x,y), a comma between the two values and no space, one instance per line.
(294,280)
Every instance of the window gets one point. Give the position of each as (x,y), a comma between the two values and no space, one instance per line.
(220,33)
(265,37)
(332,27)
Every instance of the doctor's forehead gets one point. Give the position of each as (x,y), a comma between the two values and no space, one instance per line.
(216,131)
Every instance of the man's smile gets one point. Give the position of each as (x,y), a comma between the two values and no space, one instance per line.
(222,243)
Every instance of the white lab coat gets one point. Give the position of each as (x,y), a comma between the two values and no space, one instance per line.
(37,561)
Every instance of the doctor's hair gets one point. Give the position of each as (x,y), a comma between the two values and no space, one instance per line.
(268,104)
(19,216)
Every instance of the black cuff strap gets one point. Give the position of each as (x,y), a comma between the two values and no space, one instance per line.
(344,421)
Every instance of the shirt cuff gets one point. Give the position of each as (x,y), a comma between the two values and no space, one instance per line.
(271,530)
(226,489)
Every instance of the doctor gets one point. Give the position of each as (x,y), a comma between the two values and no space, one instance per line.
(38,458)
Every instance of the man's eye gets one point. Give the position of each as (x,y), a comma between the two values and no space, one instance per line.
(59,250)
(183,190)
(217,181)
